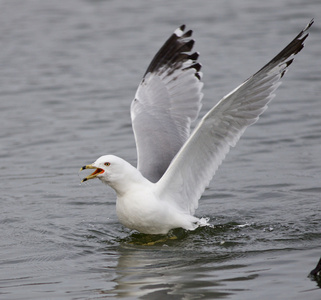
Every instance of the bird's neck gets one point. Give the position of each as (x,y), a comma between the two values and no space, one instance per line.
(129,181)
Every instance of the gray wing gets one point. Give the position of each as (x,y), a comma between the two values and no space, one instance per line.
(196,163)
(167,100)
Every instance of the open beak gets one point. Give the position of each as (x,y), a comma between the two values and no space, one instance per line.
(93,175)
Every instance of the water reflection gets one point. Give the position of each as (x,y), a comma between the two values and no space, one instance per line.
(164,272)
(180,267)
(211,263)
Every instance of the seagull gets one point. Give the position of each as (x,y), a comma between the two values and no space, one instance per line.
(175,165)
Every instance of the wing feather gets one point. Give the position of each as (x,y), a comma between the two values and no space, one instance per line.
(167,100)
(196,163)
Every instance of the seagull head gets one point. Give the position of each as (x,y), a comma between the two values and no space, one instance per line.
(113,171)
(106,167)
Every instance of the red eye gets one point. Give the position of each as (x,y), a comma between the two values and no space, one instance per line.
(107,164)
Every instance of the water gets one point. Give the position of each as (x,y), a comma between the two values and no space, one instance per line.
(69,70)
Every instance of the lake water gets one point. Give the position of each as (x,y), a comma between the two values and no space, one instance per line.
(69,70)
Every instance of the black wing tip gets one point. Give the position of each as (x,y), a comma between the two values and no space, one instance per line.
(302,36)
(194,56)
(286,56)
(187,34)
(179,32)
(188,46)
(175,52)
(309,25)
(298,41)
(198,76)
(287,63)
(197,66)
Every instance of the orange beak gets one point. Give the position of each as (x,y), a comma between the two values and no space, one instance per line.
(93,175)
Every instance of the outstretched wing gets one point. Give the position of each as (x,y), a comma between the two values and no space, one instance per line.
(167,100)
(196,163)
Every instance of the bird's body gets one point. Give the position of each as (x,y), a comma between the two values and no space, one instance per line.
(139,204)
(174,165)
(147,213)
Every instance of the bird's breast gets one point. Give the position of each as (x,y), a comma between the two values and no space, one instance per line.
(143,212)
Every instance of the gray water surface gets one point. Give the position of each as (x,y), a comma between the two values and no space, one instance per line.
(68,73)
